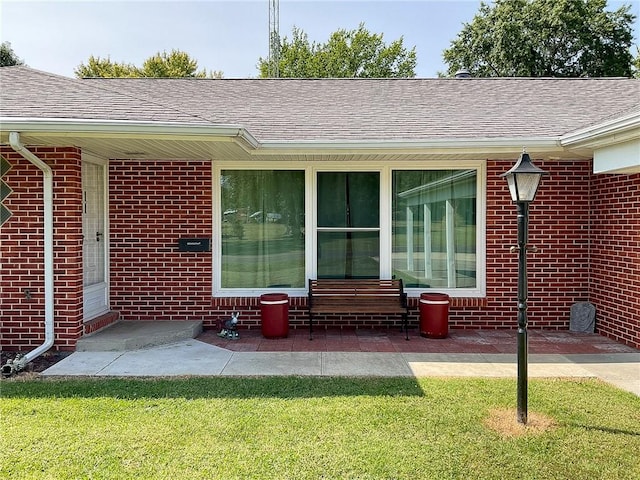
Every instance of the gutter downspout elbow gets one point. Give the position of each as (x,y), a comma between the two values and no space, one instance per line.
(19,363)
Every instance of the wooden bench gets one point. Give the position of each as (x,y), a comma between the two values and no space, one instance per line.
(372,296)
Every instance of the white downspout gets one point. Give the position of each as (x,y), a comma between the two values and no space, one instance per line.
(19,363)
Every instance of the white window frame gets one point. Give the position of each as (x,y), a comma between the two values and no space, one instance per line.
(310,174)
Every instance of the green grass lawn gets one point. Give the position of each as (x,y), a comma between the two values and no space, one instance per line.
(290,427)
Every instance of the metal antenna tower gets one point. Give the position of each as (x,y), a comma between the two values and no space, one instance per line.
(274,39)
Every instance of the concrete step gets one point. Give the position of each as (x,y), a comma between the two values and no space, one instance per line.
(129,335)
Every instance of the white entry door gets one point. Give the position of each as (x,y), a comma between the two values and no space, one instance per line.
(94,240)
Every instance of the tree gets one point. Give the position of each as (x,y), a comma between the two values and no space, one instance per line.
(176,64)
(544,38)
(354,53)
(105,68)
(8,58)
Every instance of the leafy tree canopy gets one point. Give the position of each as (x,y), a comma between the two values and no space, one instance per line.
(544,38)
(8,58)
(176,64)
(354,53)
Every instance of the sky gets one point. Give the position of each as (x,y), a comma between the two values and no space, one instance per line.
(229,36)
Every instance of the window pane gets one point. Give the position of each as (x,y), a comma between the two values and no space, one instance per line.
(348,255)
(348,199)
(262,229)
(434,228)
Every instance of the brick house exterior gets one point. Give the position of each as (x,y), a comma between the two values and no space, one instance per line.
(161,144)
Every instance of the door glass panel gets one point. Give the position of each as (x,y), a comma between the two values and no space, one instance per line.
(94,241)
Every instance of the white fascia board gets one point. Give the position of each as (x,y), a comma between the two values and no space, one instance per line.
(616,130)
(444,146)
(618,158)
(129,129)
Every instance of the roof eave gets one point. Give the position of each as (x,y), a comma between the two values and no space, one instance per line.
(447,146)
(616,130)
(549,147)
(129,129)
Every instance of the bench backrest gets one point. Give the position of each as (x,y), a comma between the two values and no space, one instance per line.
(358,289)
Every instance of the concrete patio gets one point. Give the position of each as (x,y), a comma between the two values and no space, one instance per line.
(364,352)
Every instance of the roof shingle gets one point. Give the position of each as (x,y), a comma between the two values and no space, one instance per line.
(331,109)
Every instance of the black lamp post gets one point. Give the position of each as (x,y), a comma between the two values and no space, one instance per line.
(523,180)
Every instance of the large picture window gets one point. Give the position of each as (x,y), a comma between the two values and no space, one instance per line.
(419,221)
(263,243)
(434,228)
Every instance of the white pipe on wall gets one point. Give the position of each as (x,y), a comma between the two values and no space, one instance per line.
(19,363)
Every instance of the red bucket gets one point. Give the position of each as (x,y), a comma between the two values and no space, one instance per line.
(434,315)
(274,313)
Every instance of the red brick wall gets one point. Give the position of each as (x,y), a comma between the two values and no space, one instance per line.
(615,256)
(558,274)
(152,280)
(151,206)
(298,314)
(22,251)
(558,227)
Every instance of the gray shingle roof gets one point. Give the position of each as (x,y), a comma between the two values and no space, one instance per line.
(331,109)
(34,94)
